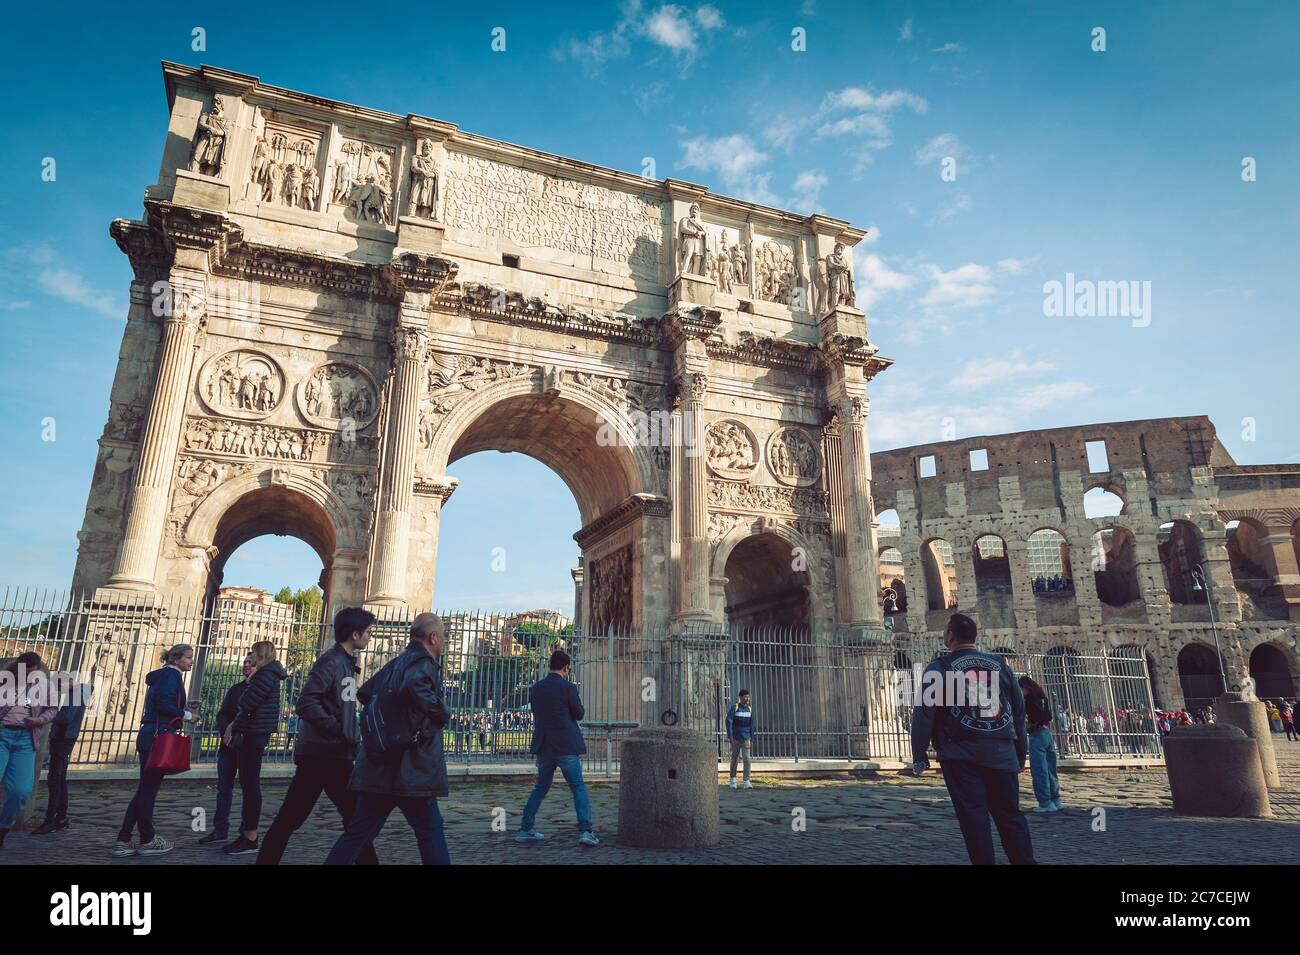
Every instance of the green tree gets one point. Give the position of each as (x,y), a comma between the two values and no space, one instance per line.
(304,637)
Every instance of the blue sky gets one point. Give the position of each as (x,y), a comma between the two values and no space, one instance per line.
(1122,165)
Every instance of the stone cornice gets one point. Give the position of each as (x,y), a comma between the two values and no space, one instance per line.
(699,323)
(636,506)
(435,487)
(279,266)
(186,228)
(514,308)
(768,351)
(414,271)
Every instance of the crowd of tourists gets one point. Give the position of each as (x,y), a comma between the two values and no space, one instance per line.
(369,749)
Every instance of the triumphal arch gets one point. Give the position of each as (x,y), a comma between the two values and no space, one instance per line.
(332,304)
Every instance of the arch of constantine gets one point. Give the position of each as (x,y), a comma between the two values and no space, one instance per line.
(332,304)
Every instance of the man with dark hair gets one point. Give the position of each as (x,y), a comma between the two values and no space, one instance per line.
(971,707)
(740,733)
(410,776)
(557,742)
(327,737)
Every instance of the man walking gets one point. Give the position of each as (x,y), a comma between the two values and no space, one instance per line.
(557,742)
(740,733)
(327,737)
(979,734)
(401,764)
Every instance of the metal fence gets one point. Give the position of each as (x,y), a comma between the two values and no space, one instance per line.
(814,697)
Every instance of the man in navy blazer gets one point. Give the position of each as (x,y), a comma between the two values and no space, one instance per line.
(557,742)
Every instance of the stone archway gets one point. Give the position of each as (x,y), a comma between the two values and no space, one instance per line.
(1274,671)
(585,437)
(283,502)
(769,578)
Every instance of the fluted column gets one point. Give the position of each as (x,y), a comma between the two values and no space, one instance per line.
(695,499)
(137,561)
(860,563)
(396,483)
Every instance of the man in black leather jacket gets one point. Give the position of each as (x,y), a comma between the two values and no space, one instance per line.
(411,778)
(980,739)
(327,738)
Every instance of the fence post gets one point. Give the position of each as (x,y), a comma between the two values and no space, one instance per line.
(794,700)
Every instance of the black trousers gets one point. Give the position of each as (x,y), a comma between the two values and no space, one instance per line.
(56,783)
(313,777)
(978,793)
(249,761)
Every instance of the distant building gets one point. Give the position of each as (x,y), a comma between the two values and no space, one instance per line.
(247,615)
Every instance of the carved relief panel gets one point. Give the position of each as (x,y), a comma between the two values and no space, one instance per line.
(285,167)
(731,450)
(610,589)
(775,273)
(338,392)
(793,457)
(242,383)
(535,209)
(363,183)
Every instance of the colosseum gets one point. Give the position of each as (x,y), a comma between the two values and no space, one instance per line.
(1138,534)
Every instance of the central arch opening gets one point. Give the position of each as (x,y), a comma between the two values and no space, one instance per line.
(767,585)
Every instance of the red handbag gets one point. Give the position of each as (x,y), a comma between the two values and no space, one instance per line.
(171,751)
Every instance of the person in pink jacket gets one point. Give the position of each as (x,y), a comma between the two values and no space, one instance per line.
(25,711)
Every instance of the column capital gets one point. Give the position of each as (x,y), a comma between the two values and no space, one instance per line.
(409,342)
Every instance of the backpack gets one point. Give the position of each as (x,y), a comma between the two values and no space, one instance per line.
(386,731)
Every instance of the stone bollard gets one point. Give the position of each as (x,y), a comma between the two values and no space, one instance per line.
(1251,717)
(1214,771)
(668,790)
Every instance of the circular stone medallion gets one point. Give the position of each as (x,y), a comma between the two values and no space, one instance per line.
(336,392)
(793,457)
(241,383)
(731,449)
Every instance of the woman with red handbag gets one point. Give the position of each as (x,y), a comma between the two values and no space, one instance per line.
(163,749)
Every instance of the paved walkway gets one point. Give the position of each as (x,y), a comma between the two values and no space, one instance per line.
(884,819)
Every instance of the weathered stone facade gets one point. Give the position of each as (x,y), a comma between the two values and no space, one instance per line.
(1186,505)
(332,304)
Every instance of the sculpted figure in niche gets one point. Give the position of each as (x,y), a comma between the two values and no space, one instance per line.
(724,271)
(739,258)
(208,156)
(839,279)
(691,244)
(793,456)
(424,183)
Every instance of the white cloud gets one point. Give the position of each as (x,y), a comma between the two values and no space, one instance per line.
(940,147)
(950,48)
(68,285)
(807,190)
(736,161)
(709,18)
(967,286)
(874,279)
(1015,266)
(857,97)
(953,207)
(668,26)
(905,31)
(980,374)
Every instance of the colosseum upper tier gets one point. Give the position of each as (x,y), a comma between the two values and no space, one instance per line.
(1135,533)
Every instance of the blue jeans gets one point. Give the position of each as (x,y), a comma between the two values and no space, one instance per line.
(373,810)
(18,767)
(1042,766)
(571,768)
(227,768)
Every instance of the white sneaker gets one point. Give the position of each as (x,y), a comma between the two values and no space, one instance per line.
(122,850)
(588,838)
(158,846)
(748,784)
(1045,807)
(528,835)
(732,784)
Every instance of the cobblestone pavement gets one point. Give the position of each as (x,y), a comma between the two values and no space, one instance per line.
(881,819)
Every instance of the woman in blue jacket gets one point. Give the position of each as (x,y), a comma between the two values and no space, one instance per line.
(164,703)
